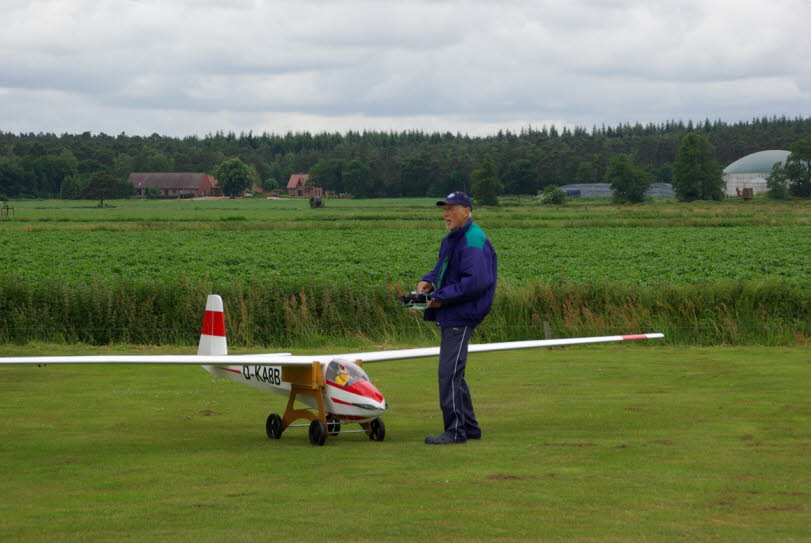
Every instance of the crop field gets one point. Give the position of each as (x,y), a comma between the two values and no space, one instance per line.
(643,443)
(642,255)
(384,242)
(705,273)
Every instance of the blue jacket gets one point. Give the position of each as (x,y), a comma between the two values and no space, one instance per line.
(464,278)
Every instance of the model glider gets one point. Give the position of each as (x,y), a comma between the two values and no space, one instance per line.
(334,387)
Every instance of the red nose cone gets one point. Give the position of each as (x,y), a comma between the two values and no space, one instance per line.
(366,389)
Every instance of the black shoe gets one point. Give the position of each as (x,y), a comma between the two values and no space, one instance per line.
(474,436)
(442,439)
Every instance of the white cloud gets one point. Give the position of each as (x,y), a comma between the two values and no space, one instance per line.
(336,65)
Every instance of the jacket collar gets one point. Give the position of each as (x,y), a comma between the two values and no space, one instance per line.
(461,231)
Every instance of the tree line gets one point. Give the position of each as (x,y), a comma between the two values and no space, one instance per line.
(380,164)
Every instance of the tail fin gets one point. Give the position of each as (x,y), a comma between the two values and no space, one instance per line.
(212,336)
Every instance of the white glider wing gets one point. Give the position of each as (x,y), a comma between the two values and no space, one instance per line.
(380,356)
(285,359)
(182,359)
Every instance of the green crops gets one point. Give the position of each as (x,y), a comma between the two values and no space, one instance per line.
(321,312)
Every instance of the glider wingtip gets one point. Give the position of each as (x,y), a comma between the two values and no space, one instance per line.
(657,335)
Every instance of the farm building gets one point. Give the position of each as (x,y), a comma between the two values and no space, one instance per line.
(751,171)
(604,190)
(298,186)
(176,184)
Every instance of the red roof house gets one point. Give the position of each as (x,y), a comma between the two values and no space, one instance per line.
(298,185)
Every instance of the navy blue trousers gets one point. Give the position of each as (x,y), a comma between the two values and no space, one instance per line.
(454,395)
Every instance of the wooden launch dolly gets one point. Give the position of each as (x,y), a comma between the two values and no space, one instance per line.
(309,381)
(305,381)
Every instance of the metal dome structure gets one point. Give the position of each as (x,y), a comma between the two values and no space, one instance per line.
(752,170)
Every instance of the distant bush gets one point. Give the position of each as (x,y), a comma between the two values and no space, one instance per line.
(554,195)
(628,182)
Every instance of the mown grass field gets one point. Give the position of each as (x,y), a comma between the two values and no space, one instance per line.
(413,213)
(603,443)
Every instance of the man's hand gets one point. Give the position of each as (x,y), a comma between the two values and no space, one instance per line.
(425,286)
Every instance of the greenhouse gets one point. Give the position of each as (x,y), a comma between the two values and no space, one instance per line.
(604,190)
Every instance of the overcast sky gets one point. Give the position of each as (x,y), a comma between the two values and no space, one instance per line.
(183,67)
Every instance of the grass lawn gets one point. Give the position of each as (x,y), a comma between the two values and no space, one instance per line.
(600,443)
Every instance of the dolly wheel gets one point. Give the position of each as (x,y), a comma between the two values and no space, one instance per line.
(333,426)
(318,432)
(274,426)
(378,430)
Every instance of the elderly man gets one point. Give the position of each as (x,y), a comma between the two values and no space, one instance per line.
(462,285)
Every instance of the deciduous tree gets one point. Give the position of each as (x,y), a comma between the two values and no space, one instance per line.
(101,185)
(234,177)
(696,174)
(798,168)
(777,183)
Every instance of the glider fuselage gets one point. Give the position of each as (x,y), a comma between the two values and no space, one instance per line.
(348,393)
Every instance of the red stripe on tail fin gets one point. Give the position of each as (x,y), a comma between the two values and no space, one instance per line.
(214,323)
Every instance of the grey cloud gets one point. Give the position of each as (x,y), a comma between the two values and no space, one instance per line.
(583,62)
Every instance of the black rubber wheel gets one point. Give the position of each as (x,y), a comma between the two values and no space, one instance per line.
(333,426)
(318,432)
(274,426)
(378,432)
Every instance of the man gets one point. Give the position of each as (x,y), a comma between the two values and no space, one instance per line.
(462,285)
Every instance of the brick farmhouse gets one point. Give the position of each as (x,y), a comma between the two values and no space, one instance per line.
(176,184)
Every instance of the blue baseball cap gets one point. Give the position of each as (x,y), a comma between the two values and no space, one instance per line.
(457,197)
